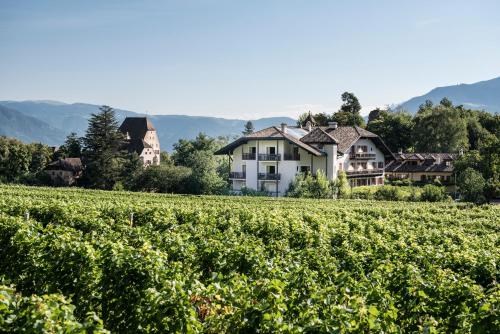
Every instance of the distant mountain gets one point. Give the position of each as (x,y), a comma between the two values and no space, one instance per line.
(26,128)
(480,95)
(74,117)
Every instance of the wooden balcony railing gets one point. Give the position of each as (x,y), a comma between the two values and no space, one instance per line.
(362,156)
(269,176)
(237,175)
(294,157)
(248,156)
(376,171)
(269,157)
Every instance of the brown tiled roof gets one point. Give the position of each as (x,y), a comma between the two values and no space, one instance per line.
(426,156)
(67,164)
(405,167)
(272,132)
(136,127)
(318,136)
(432,162)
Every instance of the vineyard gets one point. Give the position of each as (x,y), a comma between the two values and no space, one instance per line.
(78,261)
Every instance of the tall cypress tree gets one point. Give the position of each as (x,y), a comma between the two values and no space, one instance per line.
(103,144)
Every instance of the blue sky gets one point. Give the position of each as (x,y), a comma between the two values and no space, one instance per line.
(243,59)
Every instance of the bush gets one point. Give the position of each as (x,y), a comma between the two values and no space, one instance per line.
(309,186)
(344,189)
(432,193)
(389,193)
(162,179)
(252,192)
(471,185)
(363,192)
(400,182)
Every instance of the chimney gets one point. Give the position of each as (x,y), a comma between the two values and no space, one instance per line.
(283,127)
(332,125)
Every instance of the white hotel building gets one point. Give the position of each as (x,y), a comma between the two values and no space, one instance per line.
(269,159)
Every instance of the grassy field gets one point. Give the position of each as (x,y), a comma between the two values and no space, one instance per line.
(85,261)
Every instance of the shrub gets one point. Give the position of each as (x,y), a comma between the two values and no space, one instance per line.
(309,186)
(432,193)
(389,193)
(471,185)
(252,192)
(344,189)
(401,182)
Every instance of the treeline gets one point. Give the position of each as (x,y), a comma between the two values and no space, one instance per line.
(23,163)
(192,168)
(436,128)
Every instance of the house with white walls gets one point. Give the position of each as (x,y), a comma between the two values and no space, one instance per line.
(142,138)
(269,159)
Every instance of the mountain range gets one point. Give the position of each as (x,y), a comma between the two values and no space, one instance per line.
(50,122)
(480,95)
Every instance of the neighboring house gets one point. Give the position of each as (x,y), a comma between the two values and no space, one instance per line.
(142,139)
(269,159)
(65,171)
(425,167)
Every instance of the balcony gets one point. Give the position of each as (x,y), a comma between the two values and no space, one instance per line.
(248,156)
(237,175)
(365,172)
(269,176)
(269,157)
(293,157)
(362,156)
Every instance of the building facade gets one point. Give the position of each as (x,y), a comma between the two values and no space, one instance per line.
(269,159)
(422,167)
(65,171)
(142,138)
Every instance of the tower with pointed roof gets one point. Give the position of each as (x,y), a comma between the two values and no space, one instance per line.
(142,138)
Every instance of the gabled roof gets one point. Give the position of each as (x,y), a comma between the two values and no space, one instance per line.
(318,136)
(136,127)
(67,164)
(426,156)
(405,167)
(430,162)
(346,136)
(270,133)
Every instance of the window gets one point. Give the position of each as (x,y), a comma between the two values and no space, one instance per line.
(244,168)
(253,149)
(374,165)
(380,164)
(363,148)
(271,150)
(352,165)
(271,169)
(363,165)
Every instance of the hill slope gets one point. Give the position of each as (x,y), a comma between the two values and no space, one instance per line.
(74,117)
(480,95)
(26,128)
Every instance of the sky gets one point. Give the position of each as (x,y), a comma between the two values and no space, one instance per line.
(243,59)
